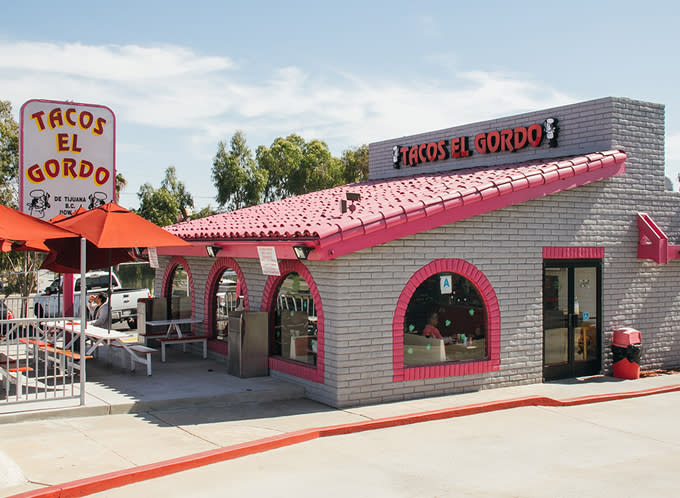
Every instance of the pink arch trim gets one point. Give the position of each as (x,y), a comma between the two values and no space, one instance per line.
(218,267)
(485,289)
(174,263)
(313,373)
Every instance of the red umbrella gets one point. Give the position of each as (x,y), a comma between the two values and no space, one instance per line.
(20,227)
(111,231)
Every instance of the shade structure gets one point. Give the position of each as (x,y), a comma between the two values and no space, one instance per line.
(29,245)
(20,227)
(64,256)
(111,231)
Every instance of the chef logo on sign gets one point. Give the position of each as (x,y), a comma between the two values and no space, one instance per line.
(97,199)
(551,130)
(38,203)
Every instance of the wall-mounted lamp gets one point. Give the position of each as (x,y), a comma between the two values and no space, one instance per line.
(302,251)
(351,196)
(212,250)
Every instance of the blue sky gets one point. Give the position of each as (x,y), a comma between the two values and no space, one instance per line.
(180,76)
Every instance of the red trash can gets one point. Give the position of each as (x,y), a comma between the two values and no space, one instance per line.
(626,350)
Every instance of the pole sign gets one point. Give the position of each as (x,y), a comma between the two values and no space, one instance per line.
(67,157)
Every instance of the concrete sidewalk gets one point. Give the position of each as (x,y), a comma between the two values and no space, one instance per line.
(156,428)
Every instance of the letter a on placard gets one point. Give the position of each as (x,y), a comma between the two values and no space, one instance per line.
(445,284)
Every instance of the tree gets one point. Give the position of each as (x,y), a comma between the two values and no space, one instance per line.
(355,164)
(290,166)
(236,176)
(18,267)
(9,156)
(203,213)
(296,167)
(167,205)
(318,170)
(179,191)
(280,160)
(121,183)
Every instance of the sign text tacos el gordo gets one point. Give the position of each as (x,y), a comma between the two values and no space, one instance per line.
(67,157)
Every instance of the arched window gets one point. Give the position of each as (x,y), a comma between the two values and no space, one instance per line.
(226,290)
(296,337)
(447,323)
(178,285)
(294,334)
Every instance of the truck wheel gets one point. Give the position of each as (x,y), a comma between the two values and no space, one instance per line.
(132,323)
(39,311)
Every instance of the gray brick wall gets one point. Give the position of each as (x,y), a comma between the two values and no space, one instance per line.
(359,291)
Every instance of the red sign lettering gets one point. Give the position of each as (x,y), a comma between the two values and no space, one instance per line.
(505,140)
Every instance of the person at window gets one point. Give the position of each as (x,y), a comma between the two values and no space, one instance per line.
(99,310)
(431,329)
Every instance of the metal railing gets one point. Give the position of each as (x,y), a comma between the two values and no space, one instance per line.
(36,363)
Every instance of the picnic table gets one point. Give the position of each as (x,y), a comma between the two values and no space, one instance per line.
(174,334)
(98,336)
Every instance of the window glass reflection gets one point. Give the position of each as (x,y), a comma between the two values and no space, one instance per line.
(445,321)
(294,335)
(179,282)
(226,301)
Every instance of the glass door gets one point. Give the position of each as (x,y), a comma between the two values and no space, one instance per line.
(571,319)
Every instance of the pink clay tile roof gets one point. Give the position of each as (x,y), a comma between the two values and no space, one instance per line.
(401,206)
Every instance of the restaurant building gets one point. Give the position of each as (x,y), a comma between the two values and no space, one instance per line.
(492,254)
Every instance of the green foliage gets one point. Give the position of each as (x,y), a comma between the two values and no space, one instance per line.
(235,174)
(9,156)
(290,166)
(203,213)
(16,266)
(167,205)
(121,183)
(355,164)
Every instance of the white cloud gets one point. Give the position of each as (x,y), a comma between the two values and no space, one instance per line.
(209,97)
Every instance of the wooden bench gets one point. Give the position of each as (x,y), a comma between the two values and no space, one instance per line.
(151,336)
(55,354)
(184,340)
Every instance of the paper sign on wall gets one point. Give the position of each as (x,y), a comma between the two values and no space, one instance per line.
(445,284)
(153,257)
(268,261)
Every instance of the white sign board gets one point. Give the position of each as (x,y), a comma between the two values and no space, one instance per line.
(268,262)
(67,157)
(445,284)
(153,257)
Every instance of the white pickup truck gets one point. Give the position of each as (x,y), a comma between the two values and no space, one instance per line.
(123,301)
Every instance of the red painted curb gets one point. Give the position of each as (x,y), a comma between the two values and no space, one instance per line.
(90,485)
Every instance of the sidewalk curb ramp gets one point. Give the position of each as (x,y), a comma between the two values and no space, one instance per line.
(103,482)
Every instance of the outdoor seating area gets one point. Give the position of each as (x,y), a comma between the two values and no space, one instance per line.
(168,321)
(35,364)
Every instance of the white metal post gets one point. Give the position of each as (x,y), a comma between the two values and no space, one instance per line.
(83,317)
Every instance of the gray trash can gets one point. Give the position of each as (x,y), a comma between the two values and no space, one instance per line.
(248,344)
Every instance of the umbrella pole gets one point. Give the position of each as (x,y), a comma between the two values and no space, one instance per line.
(83,317)
(108,300)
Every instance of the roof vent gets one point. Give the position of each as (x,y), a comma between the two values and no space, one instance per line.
(350,197)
